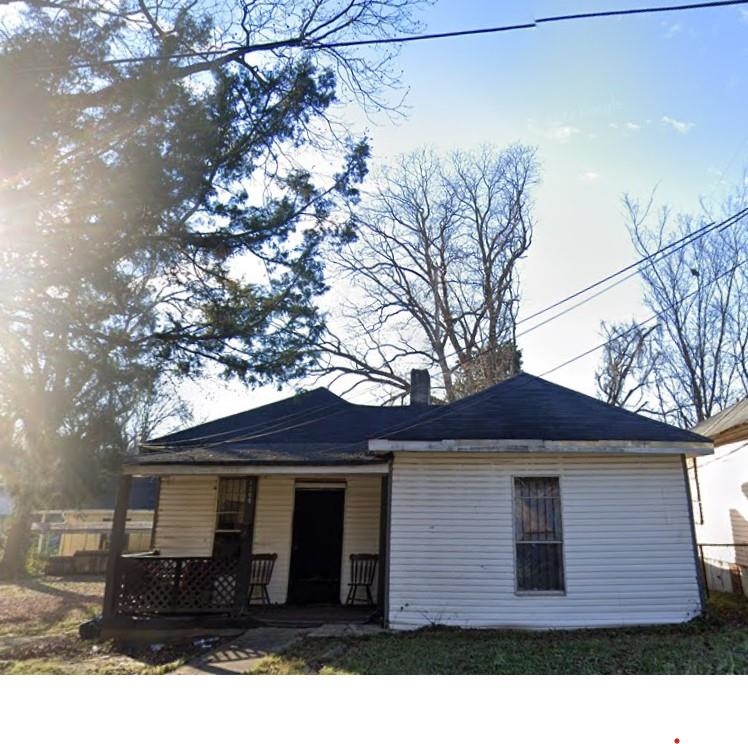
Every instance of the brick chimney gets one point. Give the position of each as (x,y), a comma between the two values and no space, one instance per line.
(420,387)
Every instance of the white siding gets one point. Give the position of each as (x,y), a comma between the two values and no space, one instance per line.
(723,482)
(628,553)
(272,534)
(360,526)
(186,519)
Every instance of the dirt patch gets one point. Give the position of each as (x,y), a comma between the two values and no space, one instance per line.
(47,605)
(39,619)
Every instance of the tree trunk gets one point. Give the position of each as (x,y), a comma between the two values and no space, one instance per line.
(13,564)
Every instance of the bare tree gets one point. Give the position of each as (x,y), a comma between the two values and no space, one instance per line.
(694,364)
(628,364)
(433,276)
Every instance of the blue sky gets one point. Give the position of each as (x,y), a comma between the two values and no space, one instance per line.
(614,106)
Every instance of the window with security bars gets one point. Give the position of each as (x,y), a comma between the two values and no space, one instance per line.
(234,496)
(537,534)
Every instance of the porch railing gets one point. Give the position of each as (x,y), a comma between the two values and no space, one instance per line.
(159,585)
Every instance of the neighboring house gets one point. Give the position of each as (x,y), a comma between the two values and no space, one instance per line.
(67,531)
(525,505)
(719,487)
(63,534)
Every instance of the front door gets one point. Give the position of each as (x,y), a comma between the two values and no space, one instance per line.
(316,546)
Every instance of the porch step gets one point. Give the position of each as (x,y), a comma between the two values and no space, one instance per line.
(289,616)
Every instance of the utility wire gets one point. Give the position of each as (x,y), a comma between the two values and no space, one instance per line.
(234,53)
(658,255)
(674,245)
(477,398)
(249,429)
(648,320)
(253,433)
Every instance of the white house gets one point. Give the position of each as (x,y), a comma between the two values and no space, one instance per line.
(719,486)
(525,505)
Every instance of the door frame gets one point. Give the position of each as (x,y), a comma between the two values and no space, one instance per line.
(313,485)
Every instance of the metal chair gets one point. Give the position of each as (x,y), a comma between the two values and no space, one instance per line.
(363,567)
(260,573)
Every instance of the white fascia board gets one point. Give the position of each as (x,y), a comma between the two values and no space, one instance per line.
(166,469)
(541,445)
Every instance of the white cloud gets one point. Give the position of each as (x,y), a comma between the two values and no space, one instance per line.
(590,176)
(632,125)
(672,29)
(562,133)
(680,126)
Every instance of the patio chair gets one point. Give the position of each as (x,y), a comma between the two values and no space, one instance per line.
(363,567)
(261,571)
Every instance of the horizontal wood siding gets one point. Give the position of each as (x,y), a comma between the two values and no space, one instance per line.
(627,541)
(72,542)
(360,526)
(186,518)
(272,533)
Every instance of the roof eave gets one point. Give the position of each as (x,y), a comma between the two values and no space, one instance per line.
(609,446)
(249,468)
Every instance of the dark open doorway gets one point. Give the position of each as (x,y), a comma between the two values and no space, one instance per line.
(316,547)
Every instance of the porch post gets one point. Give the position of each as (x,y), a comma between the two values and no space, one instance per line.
(244,571)
(384,543)
(117,543)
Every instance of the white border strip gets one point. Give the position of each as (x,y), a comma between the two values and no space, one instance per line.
(249,469)
(541,445)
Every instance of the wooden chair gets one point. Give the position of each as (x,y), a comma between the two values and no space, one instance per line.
(261,571)
(363,567)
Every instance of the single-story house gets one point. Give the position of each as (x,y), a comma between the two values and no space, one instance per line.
(62,533)
(525,505)
(719,487)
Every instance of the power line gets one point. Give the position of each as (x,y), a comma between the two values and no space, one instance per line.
(249,430)
(233,53)
(429,416)
(674,245)
(658,255)
(658,314)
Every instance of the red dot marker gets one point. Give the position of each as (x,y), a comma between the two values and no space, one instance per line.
(677,741)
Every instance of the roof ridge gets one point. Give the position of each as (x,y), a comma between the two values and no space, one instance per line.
(235,416)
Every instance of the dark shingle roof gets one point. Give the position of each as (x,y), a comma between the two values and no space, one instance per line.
(319,427)
(527,407)
(313,427)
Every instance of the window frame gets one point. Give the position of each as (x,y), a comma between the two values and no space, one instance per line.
(242,504)
(538,592)
(227,535)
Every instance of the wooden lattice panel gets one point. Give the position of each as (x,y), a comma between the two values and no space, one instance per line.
(159,585)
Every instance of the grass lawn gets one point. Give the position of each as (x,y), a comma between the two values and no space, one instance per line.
(714,644)
(39,619)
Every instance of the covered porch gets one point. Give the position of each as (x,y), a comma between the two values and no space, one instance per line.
(213,526)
